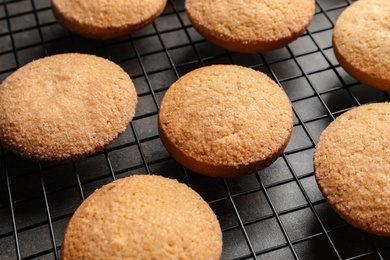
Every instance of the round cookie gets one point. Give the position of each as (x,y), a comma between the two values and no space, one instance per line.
(225,120)
(352,167)
(65,107)
(143,217)
(102,19)
(250,25)
(361,42)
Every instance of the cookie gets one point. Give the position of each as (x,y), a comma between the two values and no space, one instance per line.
(252,25)
(361,42)
(143,217)
(102,19)
(225,120)
(352,167)
(65,107)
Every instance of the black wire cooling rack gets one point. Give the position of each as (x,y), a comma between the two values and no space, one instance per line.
(277,213)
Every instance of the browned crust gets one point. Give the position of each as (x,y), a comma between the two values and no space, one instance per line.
(232,138)
(250,26)
(216,170)
(117,20)
(360,74)
(143,217)
(352,167)
(65,107)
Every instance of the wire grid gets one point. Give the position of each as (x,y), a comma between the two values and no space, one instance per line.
(277,213)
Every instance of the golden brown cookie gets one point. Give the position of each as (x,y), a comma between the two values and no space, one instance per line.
(143,217)
(64,107)
(352,167)
(103,19)
(361,42)
(250,25)
(225,120)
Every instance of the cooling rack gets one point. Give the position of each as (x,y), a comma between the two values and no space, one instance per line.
(276,213)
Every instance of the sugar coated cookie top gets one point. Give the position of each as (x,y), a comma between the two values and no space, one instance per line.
(361,42)
(250,25)
(225,120)
(143,217)
(352,166)
(64,107)
(106,19)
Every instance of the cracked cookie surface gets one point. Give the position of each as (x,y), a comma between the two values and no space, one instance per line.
(106,19)
(143,217)
(361,42)
(65,107)
(352,167)
(250,25)
(225,120)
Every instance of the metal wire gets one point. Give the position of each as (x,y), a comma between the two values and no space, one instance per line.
(277,213)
